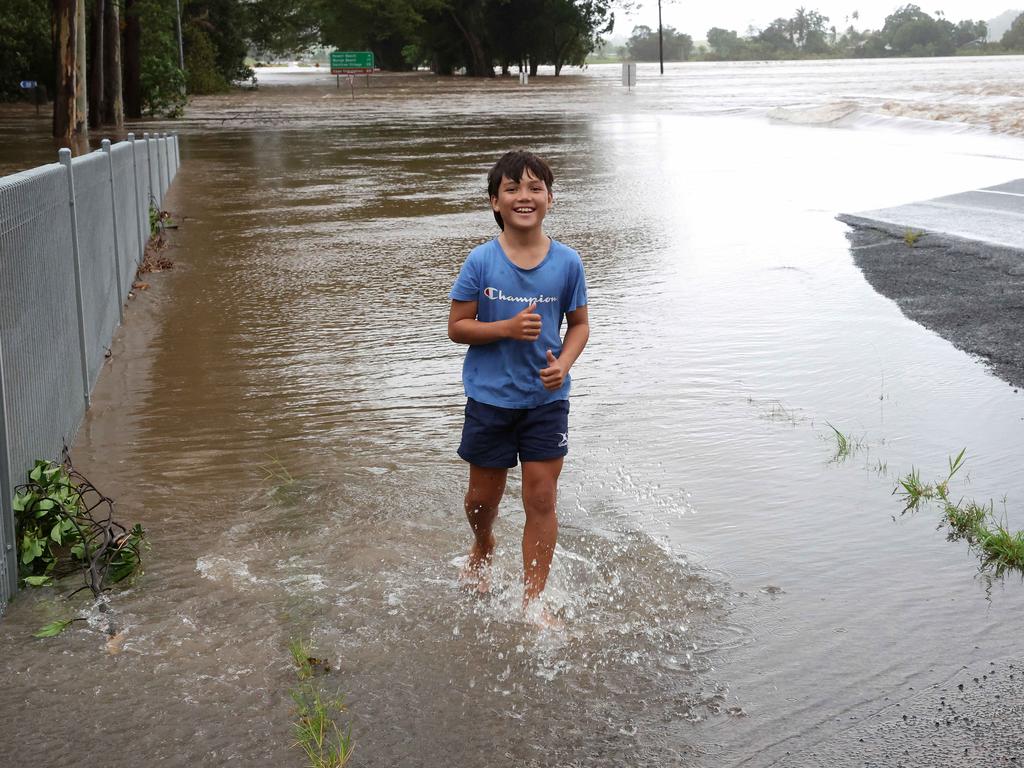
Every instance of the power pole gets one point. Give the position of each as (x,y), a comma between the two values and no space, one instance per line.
(661,50)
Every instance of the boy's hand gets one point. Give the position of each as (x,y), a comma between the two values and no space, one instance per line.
(552,377)
(525,326)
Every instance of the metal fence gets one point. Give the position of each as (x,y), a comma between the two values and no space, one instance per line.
(72,235)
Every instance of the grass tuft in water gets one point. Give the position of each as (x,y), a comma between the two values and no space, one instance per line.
(845,444)
(276,472)
(999,548)
(316,728)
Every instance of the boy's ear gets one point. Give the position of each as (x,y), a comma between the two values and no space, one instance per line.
(494,203)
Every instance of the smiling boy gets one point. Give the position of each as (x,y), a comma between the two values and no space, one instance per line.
(508,304)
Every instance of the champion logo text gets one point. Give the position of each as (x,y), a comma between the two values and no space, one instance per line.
(496,294)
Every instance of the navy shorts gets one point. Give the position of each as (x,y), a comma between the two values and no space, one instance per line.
(494,437)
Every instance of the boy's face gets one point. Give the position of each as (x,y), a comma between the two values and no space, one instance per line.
(524,203)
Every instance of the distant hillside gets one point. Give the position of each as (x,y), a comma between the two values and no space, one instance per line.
(997,27)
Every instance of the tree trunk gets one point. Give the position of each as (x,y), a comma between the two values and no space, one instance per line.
(64,47)
(96,64)
(480,66)
(113,109)
(81,125)
(132,62)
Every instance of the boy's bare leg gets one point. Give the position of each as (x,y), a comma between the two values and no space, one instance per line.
(486,487)
(540,490)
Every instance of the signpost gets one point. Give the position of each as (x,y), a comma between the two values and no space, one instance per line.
(37,92)
(628,75)
(351,63)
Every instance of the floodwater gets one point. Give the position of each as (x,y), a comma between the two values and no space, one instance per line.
(282,408)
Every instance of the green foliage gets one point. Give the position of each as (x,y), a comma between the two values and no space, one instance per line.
(1013,38)
(845,444)
(316,728)
(218,34)
(911,236)
(201,73)
(25,47)
(57,535)
(643,44)
(163,82)
(998,547)
(154,220)
(908,31)
(54,629)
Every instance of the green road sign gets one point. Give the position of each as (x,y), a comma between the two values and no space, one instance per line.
(343,62)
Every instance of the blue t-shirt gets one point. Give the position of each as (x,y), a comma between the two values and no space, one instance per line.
(506,373)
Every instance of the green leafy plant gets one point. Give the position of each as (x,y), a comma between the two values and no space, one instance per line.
(154,220)
(998,547)
(316,728)
(65,525)
(911,236)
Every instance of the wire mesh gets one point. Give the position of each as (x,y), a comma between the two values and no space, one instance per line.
(96,250)
(126,205)
(43,397)
(42,393)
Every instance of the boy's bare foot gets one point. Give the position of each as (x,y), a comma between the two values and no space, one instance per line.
(540,617)
(476,573)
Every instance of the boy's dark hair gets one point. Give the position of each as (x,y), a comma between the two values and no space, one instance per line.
(512,164)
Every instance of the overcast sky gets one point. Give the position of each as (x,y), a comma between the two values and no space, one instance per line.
(696,17)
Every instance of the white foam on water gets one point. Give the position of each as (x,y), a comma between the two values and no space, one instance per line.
(224,570)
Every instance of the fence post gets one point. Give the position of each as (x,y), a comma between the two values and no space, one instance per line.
(154,194)
(161,164)
(65,159)
(167,158)
(105,144)
(8,550)
(138,201)
(177,151)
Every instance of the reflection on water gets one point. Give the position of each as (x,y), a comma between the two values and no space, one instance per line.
(283,410)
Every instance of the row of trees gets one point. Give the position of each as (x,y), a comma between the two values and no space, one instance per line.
(103,59)
(107,59)
(908,31)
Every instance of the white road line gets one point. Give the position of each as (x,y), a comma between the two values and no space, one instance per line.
(999,192)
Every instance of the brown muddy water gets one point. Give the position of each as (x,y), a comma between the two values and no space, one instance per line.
(281,411)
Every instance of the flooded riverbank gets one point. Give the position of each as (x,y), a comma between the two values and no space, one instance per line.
(281,412)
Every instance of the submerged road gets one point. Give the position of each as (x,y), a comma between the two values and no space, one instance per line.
(959,271)
(990,216)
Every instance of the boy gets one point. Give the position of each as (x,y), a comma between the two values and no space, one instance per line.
(507,305)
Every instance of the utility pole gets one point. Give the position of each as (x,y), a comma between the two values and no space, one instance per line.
(661,50)
(181,47)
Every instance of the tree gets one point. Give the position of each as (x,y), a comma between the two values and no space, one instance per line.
(132,42)
(1013,38)
(968,32)
(572,30)
(113,105)
(643,44)
(724,43)
(778,37)
(27,49)
(65,46)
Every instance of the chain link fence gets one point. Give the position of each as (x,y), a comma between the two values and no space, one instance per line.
(72,235)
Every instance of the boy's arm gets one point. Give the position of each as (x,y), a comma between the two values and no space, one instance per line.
(464,328)
(576,335)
